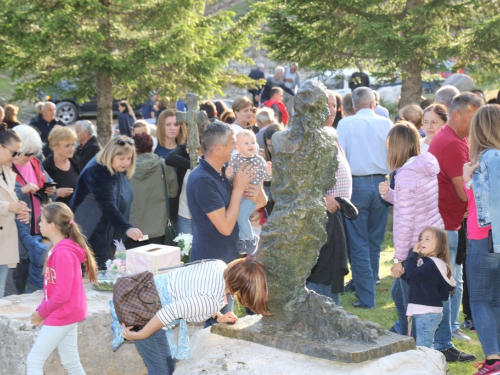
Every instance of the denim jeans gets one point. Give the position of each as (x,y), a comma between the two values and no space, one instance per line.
(247,207)
(324,290)
(456,269)
(483,279)
(365,235)
(426,326)
(442,340)
(4,271)
(156,354)
(65,339)
(400,298)
(184,225)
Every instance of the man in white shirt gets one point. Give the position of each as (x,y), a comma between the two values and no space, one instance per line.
(292,81)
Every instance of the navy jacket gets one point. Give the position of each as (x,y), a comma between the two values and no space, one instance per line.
(428,286)
(101,203)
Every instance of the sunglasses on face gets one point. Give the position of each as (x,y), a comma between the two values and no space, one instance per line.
(15,154)
(123,142)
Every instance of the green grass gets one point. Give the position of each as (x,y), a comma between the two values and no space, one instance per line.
(385,311)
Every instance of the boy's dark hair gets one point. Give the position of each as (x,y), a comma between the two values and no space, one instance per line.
(209,108)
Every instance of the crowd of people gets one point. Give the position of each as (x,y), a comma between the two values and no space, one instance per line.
(436,164)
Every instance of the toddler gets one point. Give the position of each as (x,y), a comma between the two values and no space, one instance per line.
(247,147)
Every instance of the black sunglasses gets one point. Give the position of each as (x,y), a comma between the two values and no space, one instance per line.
(15,154)
(123,142)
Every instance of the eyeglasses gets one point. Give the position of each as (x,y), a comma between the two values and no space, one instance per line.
(29,154)
(123,142)
(15,154)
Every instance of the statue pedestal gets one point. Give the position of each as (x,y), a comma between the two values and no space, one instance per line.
(280,336)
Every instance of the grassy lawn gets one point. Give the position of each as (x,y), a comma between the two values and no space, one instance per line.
(385,311)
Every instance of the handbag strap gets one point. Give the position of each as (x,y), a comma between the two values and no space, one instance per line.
(165,189)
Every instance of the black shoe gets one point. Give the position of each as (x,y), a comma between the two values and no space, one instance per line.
(358,304)
(349,287)
(454,355)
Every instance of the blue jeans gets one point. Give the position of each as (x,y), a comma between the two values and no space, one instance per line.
(442,340)
(456,269)
(401,290)
(325,290)
(426,325)
(4,271)
(483,280)
(247,207)
(184,225)
(156,354)
(365,235)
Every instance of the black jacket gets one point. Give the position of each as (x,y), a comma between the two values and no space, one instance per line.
(88,150)
(45,128)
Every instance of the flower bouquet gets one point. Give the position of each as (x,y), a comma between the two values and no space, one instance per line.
(184,241)
(115,268)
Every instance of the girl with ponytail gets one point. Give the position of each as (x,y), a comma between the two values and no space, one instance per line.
(64,302)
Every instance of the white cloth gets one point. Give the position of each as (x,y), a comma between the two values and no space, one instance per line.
(424,147)
(183,203)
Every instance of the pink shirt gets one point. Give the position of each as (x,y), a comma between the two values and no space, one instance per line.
(28,173)
(474,232)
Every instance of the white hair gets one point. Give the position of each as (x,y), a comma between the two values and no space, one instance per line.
(445,95)
(279,69)
(362,97)
(261,65)
(265,114)
(30,139)
(86,126)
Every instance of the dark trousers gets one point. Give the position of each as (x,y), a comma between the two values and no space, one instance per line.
(17,278)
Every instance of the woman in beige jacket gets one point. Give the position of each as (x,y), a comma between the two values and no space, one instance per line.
(10,144)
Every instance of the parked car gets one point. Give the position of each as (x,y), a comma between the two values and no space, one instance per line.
(67,107)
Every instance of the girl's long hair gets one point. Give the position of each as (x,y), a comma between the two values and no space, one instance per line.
(403,142)
(61,215)
(484,130)
(442,247)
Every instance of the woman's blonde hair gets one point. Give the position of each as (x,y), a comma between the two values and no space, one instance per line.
(240,103)
(160,128)
(412,113)
(117,146)
(11,112)
(442,247)
(247,279)
(60,134)
(484,131)
(403,142)
(63,218)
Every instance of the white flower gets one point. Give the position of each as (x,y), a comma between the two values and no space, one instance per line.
(184,241)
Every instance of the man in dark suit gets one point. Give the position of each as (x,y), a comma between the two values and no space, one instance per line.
(89,145)
(257,74)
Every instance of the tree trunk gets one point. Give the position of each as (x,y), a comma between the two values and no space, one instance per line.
(104,82)
(411,89)
(104,107)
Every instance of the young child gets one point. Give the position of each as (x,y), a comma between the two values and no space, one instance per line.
(429,274)
(64,302)
(247,147)
(415,199)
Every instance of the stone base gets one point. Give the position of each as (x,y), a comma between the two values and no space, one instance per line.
(250,328)
(215,355)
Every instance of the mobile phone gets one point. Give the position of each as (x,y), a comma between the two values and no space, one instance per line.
(48,184)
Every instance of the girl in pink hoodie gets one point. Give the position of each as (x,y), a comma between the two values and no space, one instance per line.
(415,200)
(64,302)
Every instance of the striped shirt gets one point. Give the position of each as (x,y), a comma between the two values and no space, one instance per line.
(197,292)
(343,185)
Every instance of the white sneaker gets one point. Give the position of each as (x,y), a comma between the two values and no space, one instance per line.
(460,335)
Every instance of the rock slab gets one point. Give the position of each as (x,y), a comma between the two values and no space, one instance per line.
(214,354)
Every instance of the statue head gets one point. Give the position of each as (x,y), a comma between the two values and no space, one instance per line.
(312,101)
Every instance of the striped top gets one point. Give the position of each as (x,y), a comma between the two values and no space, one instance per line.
(197,292)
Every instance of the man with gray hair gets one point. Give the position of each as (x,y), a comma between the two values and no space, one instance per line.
(46,123)
(256,74)
(445,95)
(274,81)
(363,138)
(89,145)
(450,146)
(265,117)
(379,110)
(292,81)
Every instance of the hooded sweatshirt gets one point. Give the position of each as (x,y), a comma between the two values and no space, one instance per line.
(149,207)
(64,300)
(415,199)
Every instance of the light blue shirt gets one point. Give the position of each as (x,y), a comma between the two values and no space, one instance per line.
(363,138)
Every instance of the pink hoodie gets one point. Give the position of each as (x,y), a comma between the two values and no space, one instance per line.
(415,200)
(64,300)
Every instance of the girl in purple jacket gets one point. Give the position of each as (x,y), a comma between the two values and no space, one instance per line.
(64,301)
(415,200)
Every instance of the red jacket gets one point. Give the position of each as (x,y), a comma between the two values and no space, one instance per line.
(64,301)
(284,113)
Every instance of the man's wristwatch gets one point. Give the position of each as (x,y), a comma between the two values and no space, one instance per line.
(396,261)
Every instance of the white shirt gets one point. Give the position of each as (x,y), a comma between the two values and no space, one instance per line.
(424,147)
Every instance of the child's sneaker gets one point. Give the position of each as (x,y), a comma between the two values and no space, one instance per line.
(468,324)
(460,335)
(242,246)
(486,369)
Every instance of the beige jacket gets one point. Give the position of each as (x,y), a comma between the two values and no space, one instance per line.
(9,252)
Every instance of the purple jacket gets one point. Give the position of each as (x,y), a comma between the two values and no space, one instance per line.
(415,200)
